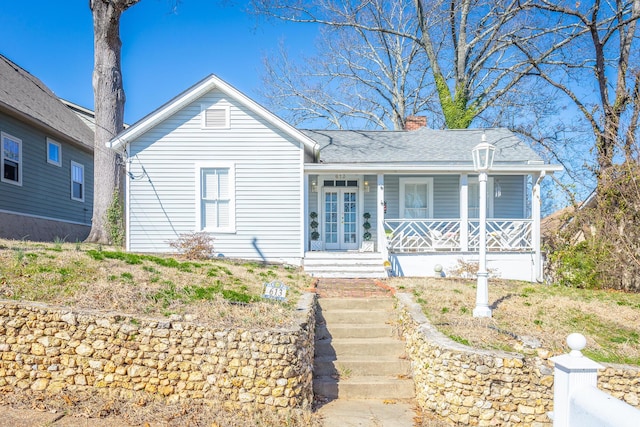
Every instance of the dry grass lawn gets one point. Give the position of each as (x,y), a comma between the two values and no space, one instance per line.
(216,292)
(228,293)
(533,314)
(87,276)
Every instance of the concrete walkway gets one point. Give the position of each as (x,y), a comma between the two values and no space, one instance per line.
(365,413)
(372,412)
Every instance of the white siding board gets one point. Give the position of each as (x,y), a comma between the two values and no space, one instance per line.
(511,203)
(446,198)
(268,176)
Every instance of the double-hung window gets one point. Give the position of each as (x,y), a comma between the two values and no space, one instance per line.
(54,152)
(216,203)
(77,182)
(416,198)
(11,159)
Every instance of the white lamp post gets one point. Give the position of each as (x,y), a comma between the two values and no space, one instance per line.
(482,162)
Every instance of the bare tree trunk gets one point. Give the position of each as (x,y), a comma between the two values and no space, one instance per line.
(109,109)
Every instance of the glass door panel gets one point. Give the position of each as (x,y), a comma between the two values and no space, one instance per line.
(340,219)
(350,220)
(331,219)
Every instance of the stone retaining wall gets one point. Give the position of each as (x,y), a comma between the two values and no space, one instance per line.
(55,349)
(486,388)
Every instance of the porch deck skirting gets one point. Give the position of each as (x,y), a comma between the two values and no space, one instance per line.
(505,265)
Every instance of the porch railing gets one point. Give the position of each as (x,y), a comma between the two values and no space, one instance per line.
(432,235)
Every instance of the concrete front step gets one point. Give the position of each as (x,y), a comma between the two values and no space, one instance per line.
(356,354)
(344,265)
(346,347)
(365,387)
(360,366)
(353,330)
(368,317)
(328,304)
(347,275)
(341,255)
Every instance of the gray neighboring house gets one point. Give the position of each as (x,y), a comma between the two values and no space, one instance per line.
(46,169)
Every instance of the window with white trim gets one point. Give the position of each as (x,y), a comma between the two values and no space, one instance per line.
(11,159)
(216,191)
(54,152)
(416,198)
(77,182)
(215,117)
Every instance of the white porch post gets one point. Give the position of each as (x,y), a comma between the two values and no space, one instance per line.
(380,235)
(464,212)
(535,231)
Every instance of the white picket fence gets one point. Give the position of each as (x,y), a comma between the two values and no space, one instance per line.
(577,402)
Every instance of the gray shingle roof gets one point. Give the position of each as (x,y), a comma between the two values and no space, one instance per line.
(428,146)
(24,94)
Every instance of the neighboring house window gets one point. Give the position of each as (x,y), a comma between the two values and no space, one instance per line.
(215,118)
(77,181)
(216,198)
(54,152)
(11,159)
(416,197)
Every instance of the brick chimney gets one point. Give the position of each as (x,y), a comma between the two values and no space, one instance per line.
(415,122)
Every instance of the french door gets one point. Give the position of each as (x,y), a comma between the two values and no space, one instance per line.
(340,218)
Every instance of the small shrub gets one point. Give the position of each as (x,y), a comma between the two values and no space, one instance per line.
(469,270)
(194,245)
(576,266)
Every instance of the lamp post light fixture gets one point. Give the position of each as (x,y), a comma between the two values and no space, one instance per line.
(482,161)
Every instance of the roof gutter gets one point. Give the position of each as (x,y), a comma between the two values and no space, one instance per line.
(374,168)
(53,132)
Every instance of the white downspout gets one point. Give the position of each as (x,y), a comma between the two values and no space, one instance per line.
(535,232)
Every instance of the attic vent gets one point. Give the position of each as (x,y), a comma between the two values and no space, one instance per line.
(215,118)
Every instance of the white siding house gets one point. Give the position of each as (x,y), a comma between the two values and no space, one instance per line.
(213,160)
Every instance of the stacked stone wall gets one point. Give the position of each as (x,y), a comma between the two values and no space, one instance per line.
(485,388)
(44,348)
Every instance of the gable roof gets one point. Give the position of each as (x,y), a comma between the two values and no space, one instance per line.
(427,148)
(193,93)
(26,97)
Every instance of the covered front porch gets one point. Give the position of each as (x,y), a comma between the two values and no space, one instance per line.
(421,222)
(413,199)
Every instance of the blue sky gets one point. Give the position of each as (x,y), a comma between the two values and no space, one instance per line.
(163,52)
